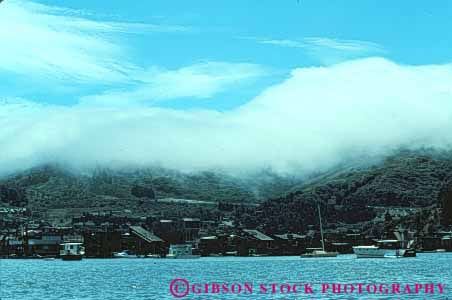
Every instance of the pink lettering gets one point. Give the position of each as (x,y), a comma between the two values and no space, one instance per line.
(371,288)
(285,288)
(383,289)
(196,288)
(294,288)
(248,288)
(347,287)
(429,288)
(236,288)
(308,289)
(215,288)
(336,288)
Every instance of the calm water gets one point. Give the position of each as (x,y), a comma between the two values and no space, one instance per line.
(150,278)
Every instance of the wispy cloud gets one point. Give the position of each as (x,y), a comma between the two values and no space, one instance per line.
(54,43)
(337,44)
(344,45)
(201,80)
(328,50)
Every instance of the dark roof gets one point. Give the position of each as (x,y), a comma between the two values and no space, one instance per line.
(144,234)
(258,235)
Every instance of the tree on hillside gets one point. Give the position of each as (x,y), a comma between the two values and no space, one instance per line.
(446,203)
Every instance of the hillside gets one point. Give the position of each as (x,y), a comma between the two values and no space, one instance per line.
(348,194)
(407,179)
(53,187)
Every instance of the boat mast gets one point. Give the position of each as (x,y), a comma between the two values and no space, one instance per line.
(321,227)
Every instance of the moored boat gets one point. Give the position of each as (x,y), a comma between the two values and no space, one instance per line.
(72,251)
(319,253)
(153,256)
(385,248)
(369,251)
(410,252)
(231,253)
(183,251)
(215,255)
(124,254)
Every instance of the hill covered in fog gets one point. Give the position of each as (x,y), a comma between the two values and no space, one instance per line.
(287,203)
(52,186)
(408,179)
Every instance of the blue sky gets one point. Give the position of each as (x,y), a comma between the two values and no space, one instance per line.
(234,76)
(274,36)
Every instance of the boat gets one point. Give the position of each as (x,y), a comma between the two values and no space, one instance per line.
(369,251)
(153,256)
(215,255)
(407,243)
(124,254)
(72,251)
(386,248)
(399,253)
(183,251)
(319,253)
(259,255)
(410,252)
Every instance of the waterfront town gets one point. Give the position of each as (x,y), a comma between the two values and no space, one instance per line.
(104,233)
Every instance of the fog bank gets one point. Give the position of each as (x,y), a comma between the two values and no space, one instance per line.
(314,119)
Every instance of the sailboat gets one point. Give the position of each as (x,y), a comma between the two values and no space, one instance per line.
(318,252)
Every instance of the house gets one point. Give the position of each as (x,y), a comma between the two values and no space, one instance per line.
(209,245)
(255,242)
(290,243)
(191,227)
(441,240)
(44,242)
(356,239)
(13,246)
(169,230)
(141,241)
(446,242)
(101,243)
(343,248)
